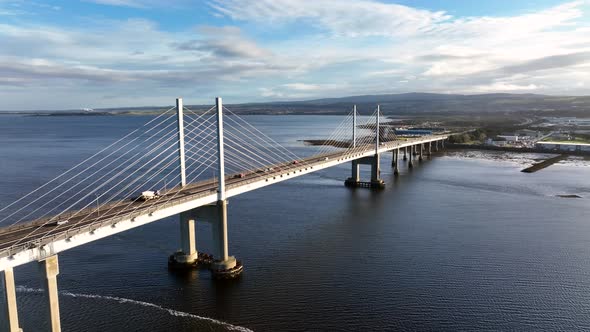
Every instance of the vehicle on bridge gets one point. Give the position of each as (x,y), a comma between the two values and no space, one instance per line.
(59,222)
(148,195)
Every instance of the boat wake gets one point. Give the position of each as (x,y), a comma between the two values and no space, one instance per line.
(172,312)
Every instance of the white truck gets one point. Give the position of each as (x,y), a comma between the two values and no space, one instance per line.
(149,195)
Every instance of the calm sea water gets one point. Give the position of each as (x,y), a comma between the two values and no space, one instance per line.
(464,241)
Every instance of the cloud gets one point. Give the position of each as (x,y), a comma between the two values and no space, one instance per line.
(302,86)
(549,62)
(225,42)
(288,49)
(362,18)
(351,18)
(505,87)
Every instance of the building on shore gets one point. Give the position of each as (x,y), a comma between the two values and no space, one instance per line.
(563,146)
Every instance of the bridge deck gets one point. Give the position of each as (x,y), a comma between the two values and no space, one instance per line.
(46,240)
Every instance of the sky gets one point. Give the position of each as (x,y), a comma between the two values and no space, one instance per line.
(126,53)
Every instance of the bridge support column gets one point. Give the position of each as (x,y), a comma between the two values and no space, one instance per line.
(224,266)
(50,269)
(429,148)
(396,161)
(375,183)
(8,308)
(187,256)
(410,162)
(355,175)
(421,152)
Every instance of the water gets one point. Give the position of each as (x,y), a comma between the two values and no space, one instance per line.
(464,241)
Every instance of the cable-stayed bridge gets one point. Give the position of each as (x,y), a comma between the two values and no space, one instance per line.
(189,162)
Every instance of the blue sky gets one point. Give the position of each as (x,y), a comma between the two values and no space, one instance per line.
(107,53)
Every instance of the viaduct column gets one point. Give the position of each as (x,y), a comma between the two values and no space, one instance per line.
(405,153)
(410,163)
(395,162)
(421,152)
(355,176)
(429,148)
(8,308)
(49,269)
(187,256)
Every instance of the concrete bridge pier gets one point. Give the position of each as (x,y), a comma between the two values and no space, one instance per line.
(187,256)
(49,268)
(405,153)
(375,183)
(395,162)
(410,162)
(224,266)
(429,149)
(8,308)
(421,152)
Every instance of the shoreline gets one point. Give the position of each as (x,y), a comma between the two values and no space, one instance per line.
(455,146)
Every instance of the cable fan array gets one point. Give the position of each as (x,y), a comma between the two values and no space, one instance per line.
(106,184)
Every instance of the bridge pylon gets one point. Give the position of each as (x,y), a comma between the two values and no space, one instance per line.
(224,266)
(374,161)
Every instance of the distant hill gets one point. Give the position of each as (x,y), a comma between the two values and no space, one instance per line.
(431,103)
(398,104)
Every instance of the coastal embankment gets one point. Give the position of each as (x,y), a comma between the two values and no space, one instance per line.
(544,164)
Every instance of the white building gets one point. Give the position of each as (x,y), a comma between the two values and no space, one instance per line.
(509,138)
(560,146)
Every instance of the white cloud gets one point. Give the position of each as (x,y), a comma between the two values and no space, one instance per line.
(302,86)
(505,87)
(346,47)
(225,42)
(354,18)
